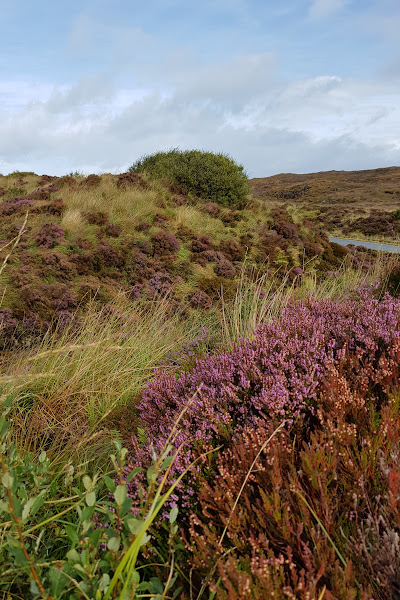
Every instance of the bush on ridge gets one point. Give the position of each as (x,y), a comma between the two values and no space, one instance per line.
(214,177)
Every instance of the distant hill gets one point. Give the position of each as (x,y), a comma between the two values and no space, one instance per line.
(348,202)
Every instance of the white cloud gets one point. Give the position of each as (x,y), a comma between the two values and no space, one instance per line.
(238,107)
(324,8)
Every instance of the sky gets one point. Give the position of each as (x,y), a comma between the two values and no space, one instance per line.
(291,86)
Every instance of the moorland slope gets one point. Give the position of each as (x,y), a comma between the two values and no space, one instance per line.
(93,237)
(355,204)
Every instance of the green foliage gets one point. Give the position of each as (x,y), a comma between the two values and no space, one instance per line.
(22,173)
(73,535)
(214,177)
(396,215)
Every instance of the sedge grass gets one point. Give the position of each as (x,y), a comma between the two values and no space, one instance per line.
(263,298)
(66,388)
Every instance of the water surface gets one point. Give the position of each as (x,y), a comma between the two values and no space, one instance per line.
(370,245)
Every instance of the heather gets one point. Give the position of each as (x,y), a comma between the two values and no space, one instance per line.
(276,375)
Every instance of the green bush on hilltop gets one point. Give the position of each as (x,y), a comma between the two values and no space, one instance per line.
(214,177)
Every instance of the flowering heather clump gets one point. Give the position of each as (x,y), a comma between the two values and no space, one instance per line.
(276,375)
(135,292)
(112,230)
(224,268)
(60,297)
(164,243)
(44,299)
(159,285)
(143,268)
(13,206)
(200,299)
(50,235)
(8,326)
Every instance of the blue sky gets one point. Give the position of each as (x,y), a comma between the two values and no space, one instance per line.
(291,86)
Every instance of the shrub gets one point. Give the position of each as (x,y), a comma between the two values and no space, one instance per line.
(50,235)
(112,230)
(276,375)
(200,299)
(334,475)
(96,218)
(224,268)
(213,177)
(164,243)
(201,244)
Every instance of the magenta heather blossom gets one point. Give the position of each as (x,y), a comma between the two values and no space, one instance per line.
(276,375)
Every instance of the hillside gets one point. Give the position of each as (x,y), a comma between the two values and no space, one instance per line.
(352,203)
(93,237)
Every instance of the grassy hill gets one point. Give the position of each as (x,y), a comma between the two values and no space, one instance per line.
(94,237)
(359,204)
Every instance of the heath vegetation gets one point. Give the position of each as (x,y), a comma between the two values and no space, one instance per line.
(200,393)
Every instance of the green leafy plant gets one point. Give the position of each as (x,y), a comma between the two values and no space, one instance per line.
(207,175)
(73,534)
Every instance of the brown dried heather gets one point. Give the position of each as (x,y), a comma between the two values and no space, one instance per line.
(84,263)
(201,244)
(232,250)
(67,181)
(96,218)
(55,208)
(45,179)
(287,230)
(126,180)
(164,243)
(211,209)
(321,507)
(91,181)
(50,235)
(143,226)
(57,265)
(107,256)
(112,230)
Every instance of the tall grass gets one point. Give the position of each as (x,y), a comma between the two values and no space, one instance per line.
(261,298)
(127,205)
(67,387)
